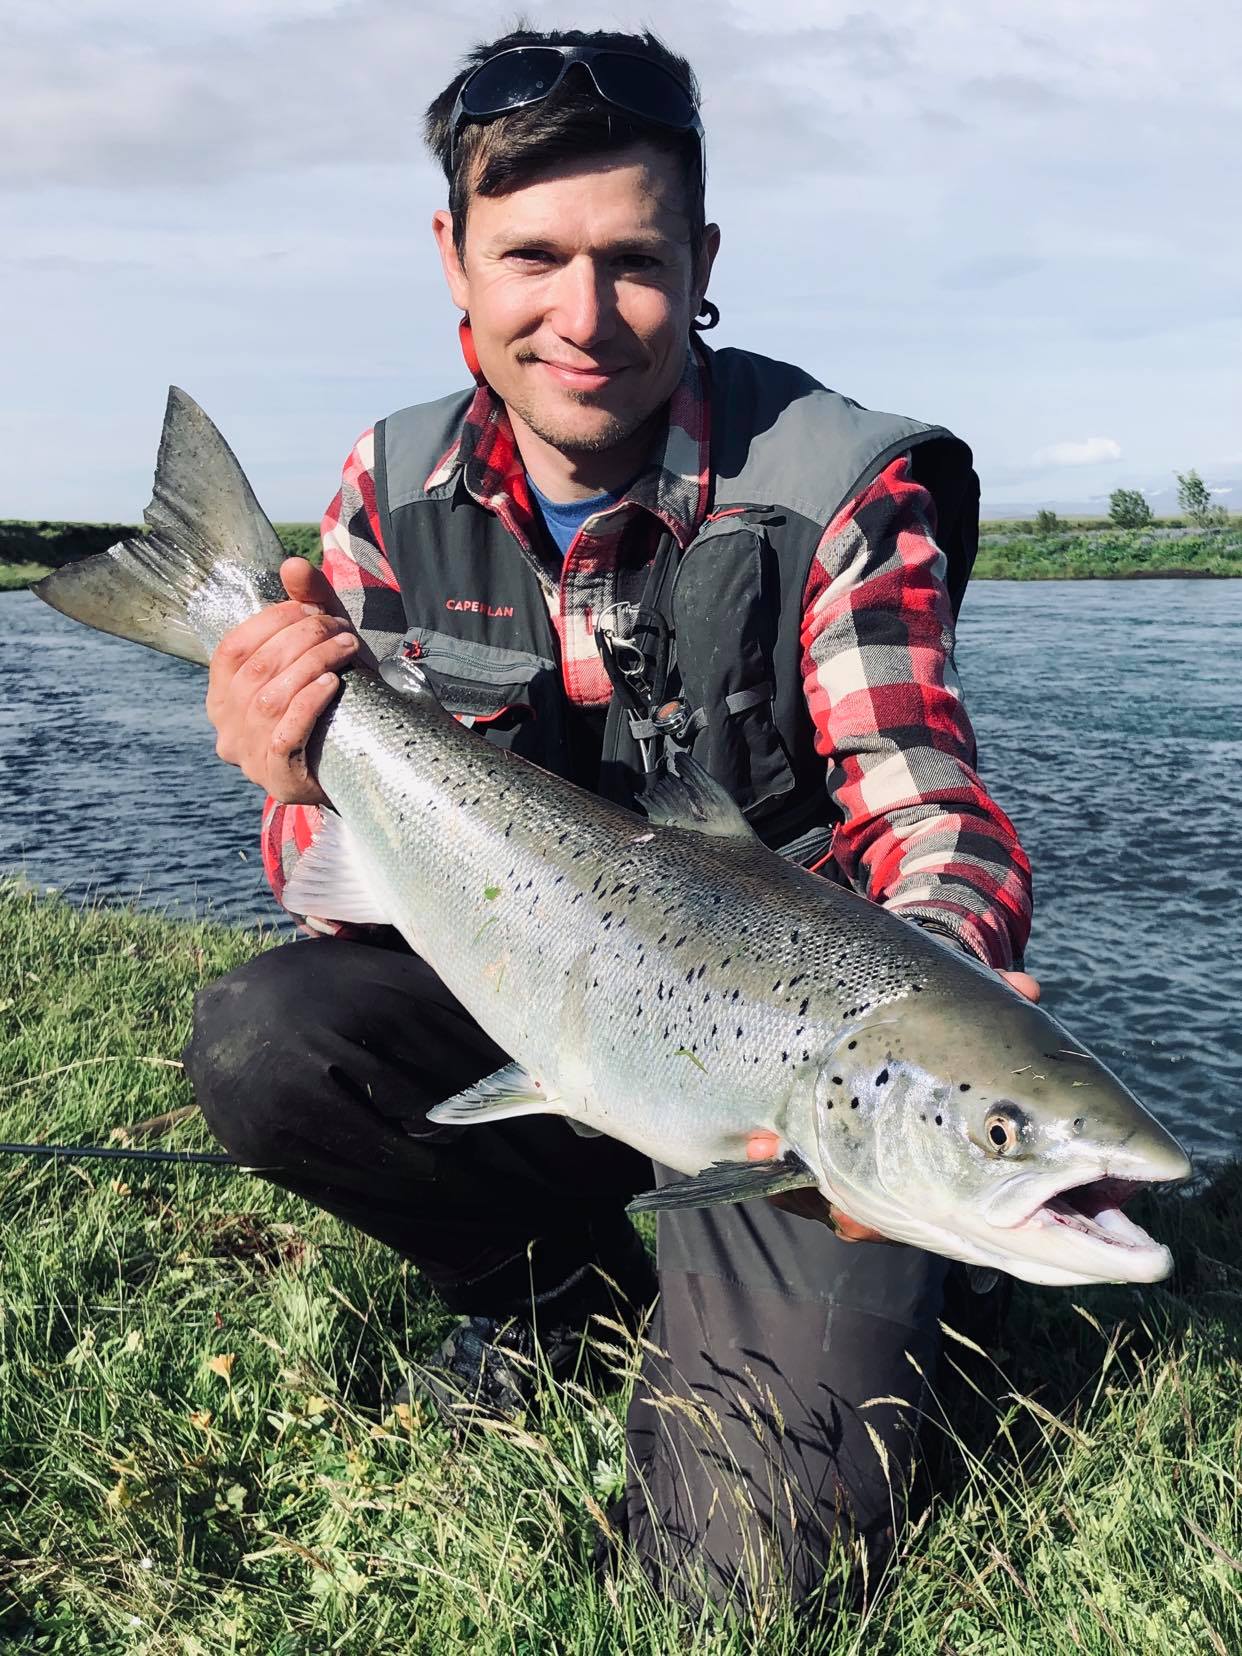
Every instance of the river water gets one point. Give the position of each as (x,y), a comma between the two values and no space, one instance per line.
(1109,716)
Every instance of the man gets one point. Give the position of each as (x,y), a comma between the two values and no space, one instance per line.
(609,485)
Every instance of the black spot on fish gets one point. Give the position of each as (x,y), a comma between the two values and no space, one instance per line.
(701,970)
(853,1103)
(784,1057)
(680,941)
(776,987)
(725,961)
(713,1029)
(736,993)
(881,1079)
(690,975)
(794,936)
(939,1121)
(796,979)
(852,1045)
(836,1081)
(803,1007)
(964,1086)
(607,915)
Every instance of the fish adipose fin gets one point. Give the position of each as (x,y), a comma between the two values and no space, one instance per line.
(509,1092)
(726,1181)
(331,881)
(206,529)
(690,797)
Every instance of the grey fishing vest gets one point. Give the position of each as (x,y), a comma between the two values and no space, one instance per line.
(785,455)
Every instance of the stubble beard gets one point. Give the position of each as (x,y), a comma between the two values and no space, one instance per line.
(616,429)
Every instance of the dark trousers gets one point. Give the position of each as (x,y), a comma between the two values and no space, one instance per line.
(754,1437)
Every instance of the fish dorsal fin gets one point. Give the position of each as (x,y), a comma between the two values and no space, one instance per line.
(726,1181)
(331,882)
(511,1091)
(689,797)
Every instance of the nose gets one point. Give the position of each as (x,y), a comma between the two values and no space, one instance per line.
(584,304)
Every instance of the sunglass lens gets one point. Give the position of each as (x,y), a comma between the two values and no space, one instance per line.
(510,80)
(642,87)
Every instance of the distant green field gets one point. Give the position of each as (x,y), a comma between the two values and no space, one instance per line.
(1080,549)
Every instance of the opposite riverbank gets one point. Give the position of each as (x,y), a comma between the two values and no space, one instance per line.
(1083,549)
(195,1459)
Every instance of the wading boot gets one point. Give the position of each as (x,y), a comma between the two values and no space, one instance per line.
(493,1366)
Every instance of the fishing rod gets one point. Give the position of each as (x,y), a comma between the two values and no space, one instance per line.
(118,1152)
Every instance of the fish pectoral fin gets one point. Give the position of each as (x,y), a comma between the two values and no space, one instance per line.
(331,881)
(510,1092)
(690,797)
(729,1181)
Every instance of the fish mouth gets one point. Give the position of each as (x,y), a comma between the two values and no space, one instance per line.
(1094,1209)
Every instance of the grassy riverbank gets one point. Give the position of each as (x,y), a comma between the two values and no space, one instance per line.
(1083,549)
(193,1460)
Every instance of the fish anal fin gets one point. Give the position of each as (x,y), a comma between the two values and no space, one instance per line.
(728,1181)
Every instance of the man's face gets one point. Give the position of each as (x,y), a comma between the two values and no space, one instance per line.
(581,292)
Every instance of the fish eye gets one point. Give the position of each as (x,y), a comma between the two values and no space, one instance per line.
(1003,1131)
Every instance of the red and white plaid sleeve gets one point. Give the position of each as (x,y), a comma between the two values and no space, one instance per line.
(355,563)
(920,833)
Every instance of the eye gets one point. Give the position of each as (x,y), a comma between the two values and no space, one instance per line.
(1003,1131)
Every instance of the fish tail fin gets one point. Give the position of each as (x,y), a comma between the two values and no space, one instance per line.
(210,558)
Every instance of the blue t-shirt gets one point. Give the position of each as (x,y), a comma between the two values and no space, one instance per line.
(564,518)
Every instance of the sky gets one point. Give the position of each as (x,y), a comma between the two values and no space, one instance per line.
(1020,221)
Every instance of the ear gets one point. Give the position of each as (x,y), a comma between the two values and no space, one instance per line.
(707,258)
(454,275)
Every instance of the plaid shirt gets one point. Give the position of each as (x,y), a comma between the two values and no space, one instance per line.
(920,833)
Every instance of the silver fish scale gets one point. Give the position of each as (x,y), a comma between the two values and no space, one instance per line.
(592,952)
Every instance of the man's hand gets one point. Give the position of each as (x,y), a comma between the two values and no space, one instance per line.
(272,677)
(809,1204)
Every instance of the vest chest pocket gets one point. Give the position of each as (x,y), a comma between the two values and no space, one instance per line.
(725,620)
(501,692)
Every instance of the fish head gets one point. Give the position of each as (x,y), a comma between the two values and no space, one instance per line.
(1004,1143)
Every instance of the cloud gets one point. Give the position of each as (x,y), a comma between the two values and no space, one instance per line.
(989,270)
(1089,451)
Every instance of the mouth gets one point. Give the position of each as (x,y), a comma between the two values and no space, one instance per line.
(1094,1210)
(580,379)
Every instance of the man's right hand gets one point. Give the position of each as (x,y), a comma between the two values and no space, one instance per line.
(272,677)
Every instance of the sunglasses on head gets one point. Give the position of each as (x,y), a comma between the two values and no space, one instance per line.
(527,74)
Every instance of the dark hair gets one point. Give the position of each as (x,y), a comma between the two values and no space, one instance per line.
(503,154)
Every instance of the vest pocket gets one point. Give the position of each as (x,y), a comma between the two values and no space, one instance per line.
(725,623)
(499,690)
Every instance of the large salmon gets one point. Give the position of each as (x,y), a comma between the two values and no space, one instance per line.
(668,981)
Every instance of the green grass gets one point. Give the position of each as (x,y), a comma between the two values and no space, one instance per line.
(1010,553)
(193,1457)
